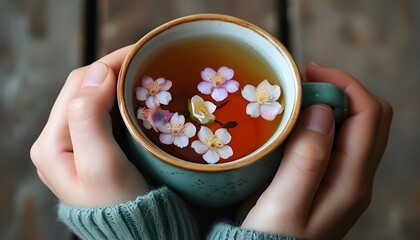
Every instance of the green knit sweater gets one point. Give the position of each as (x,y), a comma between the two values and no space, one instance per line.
(159,214)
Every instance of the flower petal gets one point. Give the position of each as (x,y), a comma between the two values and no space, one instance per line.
(140,115)
(166,138)
(177,119)
(264,84)
(164,128)
(253,109)
(145,80)
(197,98)
(231,86)
(199,147)
(205,87)
(223,135)
(146,124)
(227,72)
(158,118)
(270,111)
(163,97)
(211,107)
(225,152)
(249,93)
(165,84)
(211,157)
(181,141)
(204,133)
(207,73)
(152,102)
(189,130)
(142,93)
(219,94)
(275,92)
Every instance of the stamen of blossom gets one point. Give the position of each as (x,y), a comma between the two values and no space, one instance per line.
(213,146)
(201,111)
(219,83)
(176,131)
(263,100)
(153,118)
(154,92)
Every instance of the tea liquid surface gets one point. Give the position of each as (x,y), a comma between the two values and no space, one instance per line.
(182,62)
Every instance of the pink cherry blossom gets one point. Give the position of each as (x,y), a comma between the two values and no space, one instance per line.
(153,118)
(263,100)
(154,92)
(213,146)
(176,131)
(219,83)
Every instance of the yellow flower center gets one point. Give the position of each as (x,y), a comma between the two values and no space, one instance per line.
(175,128)
(262,95)
(217,79)
(153,87)
(215,143)
(201,108)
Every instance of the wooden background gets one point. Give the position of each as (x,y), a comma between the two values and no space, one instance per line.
(41,41)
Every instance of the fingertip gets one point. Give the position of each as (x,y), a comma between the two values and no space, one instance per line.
(95,75)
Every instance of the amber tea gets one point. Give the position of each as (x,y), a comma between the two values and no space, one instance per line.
(208,99)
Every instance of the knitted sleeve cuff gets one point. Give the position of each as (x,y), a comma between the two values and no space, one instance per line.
(227,231)
(160,214)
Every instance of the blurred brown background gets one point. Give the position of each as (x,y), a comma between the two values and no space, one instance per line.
(41,41)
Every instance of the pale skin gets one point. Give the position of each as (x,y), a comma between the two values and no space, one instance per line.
(319,191)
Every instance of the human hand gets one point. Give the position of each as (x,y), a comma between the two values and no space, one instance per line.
(76,155)
(321,188)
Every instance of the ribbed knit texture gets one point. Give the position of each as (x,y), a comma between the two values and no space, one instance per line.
(160,214)
(225,231)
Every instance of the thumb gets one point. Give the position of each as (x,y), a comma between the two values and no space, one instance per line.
(305,159)
(89,119)
(285,204)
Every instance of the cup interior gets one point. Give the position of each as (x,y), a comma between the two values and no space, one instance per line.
(275,54)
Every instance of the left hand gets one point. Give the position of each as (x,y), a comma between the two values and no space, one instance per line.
(321,189)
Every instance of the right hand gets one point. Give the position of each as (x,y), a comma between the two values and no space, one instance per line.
(76,155)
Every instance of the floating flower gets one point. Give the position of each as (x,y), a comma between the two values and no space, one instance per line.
(176,131)
(218,84)
(200,110)
(154,92)
(213,146)
(263,100)
(153,118)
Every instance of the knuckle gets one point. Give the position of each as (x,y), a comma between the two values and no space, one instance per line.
(38,152)
(41,153)
(376,107)
(387,110)
(80,108)
(381,108)
(98,172)
(359,199)
(77,73)
(90,174)
(310,157)
(34,153)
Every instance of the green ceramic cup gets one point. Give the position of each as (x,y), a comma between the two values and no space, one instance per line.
(214,185)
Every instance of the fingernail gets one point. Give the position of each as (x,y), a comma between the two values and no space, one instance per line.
(318,118)
(95,75)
